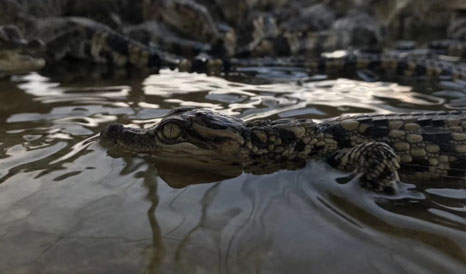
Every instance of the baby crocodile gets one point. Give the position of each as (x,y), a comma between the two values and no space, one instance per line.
(85,39)
(421,145)
(88,40)
(391,63)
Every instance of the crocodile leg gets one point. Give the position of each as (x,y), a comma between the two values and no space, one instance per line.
(375,161)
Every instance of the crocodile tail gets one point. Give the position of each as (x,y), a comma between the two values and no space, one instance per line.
(388,63)
(448,47)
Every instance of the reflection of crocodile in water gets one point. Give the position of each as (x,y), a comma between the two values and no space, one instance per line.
(425,145)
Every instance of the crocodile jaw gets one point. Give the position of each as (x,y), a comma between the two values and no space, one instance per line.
(13,62)
(129,139)
(147,142)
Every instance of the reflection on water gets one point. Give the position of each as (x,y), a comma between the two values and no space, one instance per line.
(69,205)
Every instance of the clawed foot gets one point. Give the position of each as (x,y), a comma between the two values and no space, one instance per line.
(388,185)
(375,161)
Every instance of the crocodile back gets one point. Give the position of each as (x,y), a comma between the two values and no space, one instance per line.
(431,143)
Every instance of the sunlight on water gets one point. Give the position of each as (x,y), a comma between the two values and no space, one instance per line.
(68,203)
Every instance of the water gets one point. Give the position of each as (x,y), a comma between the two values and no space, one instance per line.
(68,205)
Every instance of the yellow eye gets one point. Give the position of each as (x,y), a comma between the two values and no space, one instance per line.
(171,131)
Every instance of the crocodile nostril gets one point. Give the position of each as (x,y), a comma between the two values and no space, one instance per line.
(111,131)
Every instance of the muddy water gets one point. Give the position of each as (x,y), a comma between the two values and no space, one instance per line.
(68,205)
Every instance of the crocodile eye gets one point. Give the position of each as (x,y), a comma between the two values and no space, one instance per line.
(171,131)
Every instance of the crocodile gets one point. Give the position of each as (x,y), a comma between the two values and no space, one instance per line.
(283,28)
(86,39)
(269,38)
(83,39)
(390,63)
(17,55)
(379,147)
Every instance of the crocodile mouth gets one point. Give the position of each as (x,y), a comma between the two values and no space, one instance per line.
(183,136)
(14,61)
(130,139)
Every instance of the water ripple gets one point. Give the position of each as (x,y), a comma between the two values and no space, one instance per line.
(62,193)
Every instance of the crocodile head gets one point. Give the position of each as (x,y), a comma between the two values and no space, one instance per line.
(16,54)
(185,135)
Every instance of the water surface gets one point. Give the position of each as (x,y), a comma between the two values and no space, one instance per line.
(68,205)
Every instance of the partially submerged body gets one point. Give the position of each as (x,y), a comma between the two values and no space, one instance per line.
(421,145)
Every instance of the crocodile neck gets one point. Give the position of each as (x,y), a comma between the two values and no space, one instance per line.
(286,139)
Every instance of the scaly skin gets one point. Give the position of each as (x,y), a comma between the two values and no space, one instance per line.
(85,39)
(391,63)
(425,145)
(388,63)
(88,40)
(269,39)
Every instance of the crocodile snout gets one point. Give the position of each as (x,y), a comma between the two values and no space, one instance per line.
(111,132)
